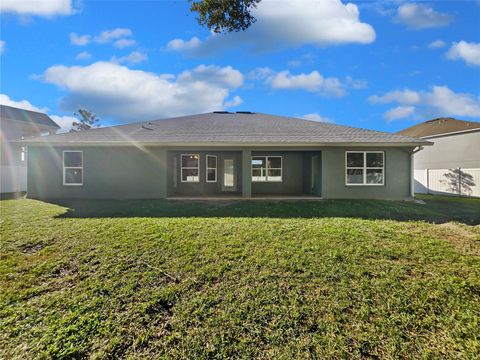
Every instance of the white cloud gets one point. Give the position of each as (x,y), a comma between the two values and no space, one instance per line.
(236,101)
(261,73)
(79,40)
(469,52)
(356,84)
(406,96)
(291,23)
(305,59)
(437,44)
(134,57)
(313,82)
(183,45)
(317,117)
(2,46)
(123,43)
(312,21)
(110,35)
(129,95)
(84,55)
(439,101)
(400,112)
(65,122)
(118,36)
(451,103)
(22,104)
(46,8)
(419,16)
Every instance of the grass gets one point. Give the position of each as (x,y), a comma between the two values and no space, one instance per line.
(439,209)
(326,279)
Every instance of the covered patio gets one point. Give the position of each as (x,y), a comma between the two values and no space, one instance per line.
(217,174)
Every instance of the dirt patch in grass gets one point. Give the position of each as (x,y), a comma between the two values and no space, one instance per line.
(465,239)
(32,248)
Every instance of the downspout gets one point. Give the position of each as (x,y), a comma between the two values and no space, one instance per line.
(412,170)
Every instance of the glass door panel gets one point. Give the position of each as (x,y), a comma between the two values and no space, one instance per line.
(228,175)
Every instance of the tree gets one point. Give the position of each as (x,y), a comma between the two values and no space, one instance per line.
(86,120)
(223,16)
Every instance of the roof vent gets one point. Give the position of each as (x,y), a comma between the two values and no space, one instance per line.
(146,127)
(222,112)
(244,112)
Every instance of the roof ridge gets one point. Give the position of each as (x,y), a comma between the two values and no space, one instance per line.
(17,108)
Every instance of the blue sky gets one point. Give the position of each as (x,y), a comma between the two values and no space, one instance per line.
(383,65)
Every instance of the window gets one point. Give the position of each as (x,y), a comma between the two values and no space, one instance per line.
(73,168)
(365,167)
(267,168)
(211,168)
(22,153)
(190,168)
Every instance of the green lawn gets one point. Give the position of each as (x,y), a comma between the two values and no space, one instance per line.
(320,279)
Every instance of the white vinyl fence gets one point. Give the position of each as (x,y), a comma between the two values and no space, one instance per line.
(459,182)
(13,179)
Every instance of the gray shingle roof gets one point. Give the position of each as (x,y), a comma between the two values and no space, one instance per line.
(34,117)
(229,128)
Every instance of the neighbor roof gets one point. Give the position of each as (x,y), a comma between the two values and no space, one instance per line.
(222,128)
(33,117)
(439,126)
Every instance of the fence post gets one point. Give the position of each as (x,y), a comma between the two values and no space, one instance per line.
(459,182)
(428,182)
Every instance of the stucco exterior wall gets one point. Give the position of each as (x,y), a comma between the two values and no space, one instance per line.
(108,173)
(450,152)
(397,175)
(128,172)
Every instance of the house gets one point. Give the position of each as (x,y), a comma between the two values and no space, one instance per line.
(452,164)
(17,124)
(217,154)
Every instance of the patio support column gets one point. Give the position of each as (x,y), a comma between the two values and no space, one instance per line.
(246,173)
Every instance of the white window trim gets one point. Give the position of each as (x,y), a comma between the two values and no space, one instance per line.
(364,168)
(71,167)
(211,168)
(189,168)
(266,157)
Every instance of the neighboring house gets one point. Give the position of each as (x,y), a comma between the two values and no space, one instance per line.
(239,154)
(452,164)
(17,124)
